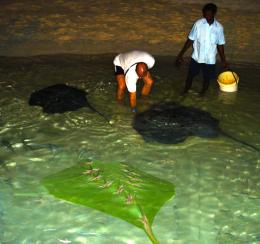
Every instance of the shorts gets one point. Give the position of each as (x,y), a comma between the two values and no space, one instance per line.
(208,70)
(119,70)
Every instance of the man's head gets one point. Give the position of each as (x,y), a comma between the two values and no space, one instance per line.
(209,11)
(141,70)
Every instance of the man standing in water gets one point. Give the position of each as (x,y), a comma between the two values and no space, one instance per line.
(207,37)
(129,67)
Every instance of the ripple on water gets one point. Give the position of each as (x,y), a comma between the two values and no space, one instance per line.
(217,180)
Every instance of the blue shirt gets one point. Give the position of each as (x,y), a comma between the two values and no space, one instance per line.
(205,39)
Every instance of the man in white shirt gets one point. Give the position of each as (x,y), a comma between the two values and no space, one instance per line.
(129,67)
(207,37)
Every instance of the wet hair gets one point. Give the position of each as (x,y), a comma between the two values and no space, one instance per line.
(210,7)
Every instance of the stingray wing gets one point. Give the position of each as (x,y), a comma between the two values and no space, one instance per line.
(114,188)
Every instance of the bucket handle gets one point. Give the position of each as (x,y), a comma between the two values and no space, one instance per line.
(233,74)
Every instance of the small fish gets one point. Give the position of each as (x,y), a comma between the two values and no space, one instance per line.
(89,163)
(132,178)
(120,189)
(134,174)
(90,171)
(95,178)
(135,184)
(107,184)
(129,199)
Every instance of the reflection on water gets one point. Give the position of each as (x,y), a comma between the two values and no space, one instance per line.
(227,97)
(216,180)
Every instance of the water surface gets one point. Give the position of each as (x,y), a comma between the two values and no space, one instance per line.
(217,180)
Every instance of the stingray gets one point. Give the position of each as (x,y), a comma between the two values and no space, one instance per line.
(61,98)
(117,189)
(171,123)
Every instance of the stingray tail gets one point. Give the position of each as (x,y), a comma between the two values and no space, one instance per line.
(102,115)
(240,141)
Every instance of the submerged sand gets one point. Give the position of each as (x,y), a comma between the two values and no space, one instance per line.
(216,179)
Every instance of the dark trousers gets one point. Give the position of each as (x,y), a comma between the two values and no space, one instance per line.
(208,71)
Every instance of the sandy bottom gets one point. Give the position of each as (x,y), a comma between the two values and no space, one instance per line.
(217,180)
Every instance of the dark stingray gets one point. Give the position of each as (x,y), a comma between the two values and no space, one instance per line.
(171,123)
(60,98)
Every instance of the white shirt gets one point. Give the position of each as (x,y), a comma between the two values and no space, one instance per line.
(128,62)
(205,39)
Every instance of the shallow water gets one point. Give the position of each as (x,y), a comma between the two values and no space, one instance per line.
(216,180)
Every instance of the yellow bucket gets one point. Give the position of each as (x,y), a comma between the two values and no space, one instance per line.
(228,81)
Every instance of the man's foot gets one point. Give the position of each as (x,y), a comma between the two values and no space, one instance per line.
(184,92)
(134,110)
(120,101)
(143,97)
(202,93)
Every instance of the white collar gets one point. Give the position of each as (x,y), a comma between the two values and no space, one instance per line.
(205,22)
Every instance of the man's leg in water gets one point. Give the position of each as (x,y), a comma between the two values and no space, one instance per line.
(132,99)
(194,69)
(205,85)
(208,71)
(121,87)
(188,84)
(148,82)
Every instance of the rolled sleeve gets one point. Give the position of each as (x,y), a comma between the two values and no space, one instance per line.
(150,62)
(221,38)
(193,33)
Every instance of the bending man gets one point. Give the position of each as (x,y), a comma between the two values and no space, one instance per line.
(129,67)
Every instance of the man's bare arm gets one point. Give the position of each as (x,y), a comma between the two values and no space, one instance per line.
(221,52)
(186,46)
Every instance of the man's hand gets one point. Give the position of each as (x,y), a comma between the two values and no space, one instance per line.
(179,60)
(225,65)
(222,56)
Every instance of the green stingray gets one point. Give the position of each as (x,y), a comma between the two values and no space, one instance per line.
(117,189)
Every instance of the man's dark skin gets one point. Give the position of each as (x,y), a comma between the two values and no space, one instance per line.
(209,16)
